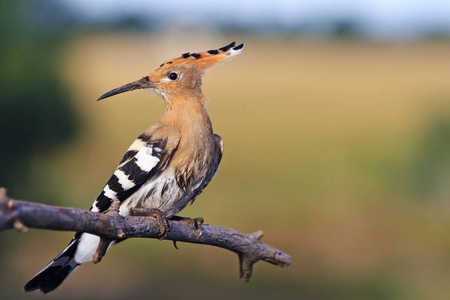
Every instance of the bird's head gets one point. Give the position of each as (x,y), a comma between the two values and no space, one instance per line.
(180,75)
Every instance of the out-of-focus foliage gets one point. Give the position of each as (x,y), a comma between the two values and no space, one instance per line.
(35,109)
(430,165)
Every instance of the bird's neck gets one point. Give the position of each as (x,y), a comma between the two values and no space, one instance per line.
(187,112)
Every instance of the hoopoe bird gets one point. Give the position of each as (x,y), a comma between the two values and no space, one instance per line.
(166,167)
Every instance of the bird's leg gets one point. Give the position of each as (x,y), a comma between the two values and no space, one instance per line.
(195,222)
(164,225)
(113,208)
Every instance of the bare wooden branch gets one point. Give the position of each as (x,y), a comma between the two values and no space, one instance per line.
(21,215)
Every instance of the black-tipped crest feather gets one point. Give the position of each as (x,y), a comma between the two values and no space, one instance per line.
(227,47)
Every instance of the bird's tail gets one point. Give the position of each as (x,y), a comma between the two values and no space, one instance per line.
(55,272)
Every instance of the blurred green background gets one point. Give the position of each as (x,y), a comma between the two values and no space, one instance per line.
(337,146)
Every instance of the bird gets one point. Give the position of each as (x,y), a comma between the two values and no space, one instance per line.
(165,168)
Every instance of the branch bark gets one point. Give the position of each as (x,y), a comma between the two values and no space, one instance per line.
(22,215)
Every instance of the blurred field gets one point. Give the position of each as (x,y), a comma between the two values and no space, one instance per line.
(336,150)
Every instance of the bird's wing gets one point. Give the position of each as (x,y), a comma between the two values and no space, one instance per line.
(183,178)
(147,157)
(217,158)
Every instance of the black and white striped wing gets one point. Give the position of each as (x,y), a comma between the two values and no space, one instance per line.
(145,159)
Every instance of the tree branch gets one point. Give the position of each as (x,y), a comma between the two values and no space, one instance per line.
(22,215)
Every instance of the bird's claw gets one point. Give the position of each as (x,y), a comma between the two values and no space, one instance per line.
(197,223)
(163,224)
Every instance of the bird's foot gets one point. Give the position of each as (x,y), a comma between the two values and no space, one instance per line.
(195,222)
(164,225)
(113,208)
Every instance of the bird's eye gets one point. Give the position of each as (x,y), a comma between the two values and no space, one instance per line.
(173,76)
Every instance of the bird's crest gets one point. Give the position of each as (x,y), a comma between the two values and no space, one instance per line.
(181,74)
(204,60)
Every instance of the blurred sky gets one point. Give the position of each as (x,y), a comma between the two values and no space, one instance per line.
(384,19)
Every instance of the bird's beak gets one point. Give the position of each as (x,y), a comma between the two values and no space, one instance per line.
(143,83)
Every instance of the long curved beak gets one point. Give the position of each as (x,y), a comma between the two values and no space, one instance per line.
(143,83)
